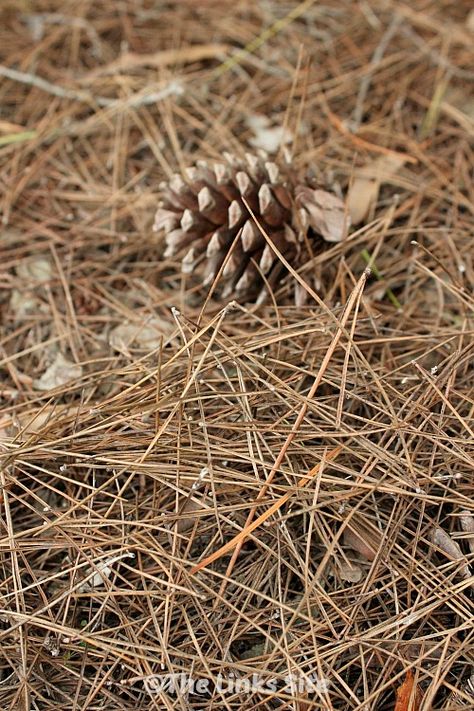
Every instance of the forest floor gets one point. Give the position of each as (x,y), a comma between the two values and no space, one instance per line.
(329,446)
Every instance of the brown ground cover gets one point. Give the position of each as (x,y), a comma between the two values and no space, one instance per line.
(327,448)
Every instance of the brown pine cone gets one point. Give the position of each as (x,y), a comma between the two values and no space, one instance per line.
(204,215)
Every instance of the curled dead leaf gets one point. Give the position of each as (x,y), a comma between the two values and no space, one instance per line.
(38,269)
(146,335)
(470,21)
(185,521)
(364,191)
(60,372)
(467,524)
(359,542)
(350,572)
(268,138)
(327,212)
(450,548)
(31,422)
(97,576)
(23,303)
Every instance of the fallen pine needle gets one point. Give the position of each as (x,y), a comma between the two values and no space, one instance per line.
(242,535)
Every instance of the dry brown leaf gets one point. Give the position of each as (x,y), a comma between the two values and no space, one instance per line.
(147,336)
(97,575)
(357,540)
(32,422)
(59,373)
(450,548)
(408,694)
(23,303)
(364,191)
(467,524)
(350,573)
(327,212)
(268,138)
(32,272)
(470,21)
(130,61)
(185,523)
(38,269)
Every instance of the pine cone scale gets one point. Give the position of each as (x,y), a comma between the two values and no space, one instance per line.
(236,214)
(251,237)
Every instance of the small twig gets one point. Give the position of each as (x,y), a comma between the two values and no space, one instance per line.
(47,86)
(135,100)
(131,61)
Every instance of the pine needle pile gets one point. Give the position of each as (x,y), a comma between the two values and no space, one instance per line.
(237,449)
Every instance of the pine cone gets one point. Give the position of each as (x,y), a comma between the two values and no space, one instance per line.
(205,216)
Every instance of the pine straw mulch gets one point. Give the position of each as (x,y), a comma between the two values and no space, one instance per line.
(140,421)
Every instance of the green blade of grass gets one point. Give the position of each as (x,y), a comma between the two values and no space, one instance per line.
(17,137)
(264,36)
(368,260)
